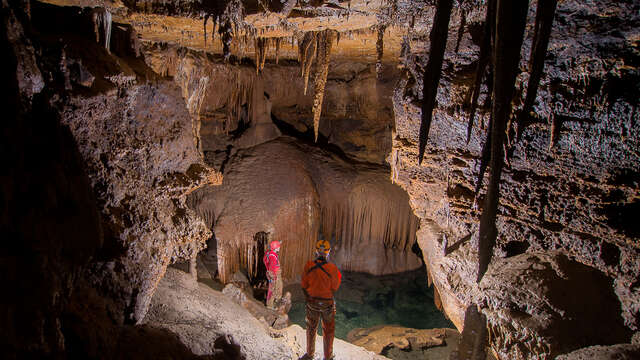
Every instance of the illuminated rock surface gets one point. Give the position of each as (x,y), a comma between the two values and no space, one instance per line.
(120,124)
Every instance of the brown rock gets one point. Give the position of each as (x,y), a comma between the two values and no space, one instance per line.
(379,338)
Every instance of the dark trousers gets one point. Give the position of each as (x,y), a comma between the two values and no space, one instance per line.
(324,310)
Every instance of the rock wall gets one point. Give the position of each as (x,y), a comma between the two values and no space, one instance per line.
(570,186)
(96,172)
(292,191)
(49,222)
(135,137)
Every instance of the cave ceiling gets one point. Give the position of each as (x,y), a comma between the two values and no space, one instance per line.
(357,22)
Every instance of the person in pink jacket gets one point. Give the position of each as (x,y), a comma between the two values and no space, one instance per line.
(274,275)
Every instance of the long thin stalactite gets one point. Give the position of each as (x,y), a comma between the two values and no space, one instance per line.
(511,17)
(324,43)
(438,37)
(542,32)
(483,61)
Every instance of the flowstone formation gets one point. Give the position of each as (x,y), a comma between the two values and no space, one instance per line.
(292,192)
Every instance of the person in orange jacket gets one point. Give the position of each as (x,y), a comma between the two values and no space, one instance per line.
(320,280)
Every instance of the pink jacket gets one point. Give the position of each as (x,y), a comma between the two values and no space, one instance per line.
(271,261)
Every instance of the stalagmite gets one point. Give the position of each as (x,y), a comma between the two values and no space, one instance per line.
(511,18)
(544,19)
(483,61)
(193,269)
(324,42)
(554,130)
(438,38)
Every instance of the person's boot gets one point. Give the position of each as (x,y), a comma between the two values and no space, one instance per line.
(328,346)
(328,333)
(311,342)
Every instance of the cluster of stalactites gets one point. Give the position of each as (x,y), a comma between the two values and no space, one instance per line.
(102,26)
(261,47)
(295,227)
(500,52)
(315,47)
(241,98)
(371,216)
(228,22)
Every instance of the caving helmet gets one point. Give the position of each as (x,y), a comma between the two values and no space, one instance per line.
(323,247)
(275,244)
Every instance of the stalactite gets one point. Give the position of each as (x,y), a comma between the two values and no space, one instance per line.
(263,52)
(295,227)
(206,17)
(542,32)
(309,55)
(511,18)
(380,50)
(463,23)
(256,49)
(226,37)
(260,47)
(438,38)
(371,213)
(484,162)
(483,61)
(213,30)
(324,42)
(278,41)
(102,27)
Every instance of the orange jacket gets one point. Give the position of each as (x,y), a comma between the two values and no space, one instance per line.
(320,279)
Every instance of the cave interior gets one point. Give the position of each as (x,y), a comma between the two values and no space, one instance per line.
(154,148)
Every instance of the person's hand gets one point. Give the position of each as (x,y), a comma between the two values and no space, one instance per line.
(270,276)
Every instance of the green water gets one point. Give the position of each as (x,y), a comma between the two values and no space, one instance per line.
(365,300)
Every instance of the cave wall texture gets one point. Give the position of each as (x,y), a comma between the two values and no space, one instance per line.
(121,119)
(567,194)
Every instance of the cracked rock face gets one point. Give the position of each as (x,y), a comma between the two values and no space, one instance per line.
(141,157)
(572,194)
(139,146)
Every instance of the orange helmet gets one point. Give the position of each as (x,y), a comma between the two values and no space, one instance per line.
(275,244)
(323,246)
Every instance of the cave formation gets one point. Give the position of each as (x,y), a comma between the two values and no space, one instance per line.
(500,139)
